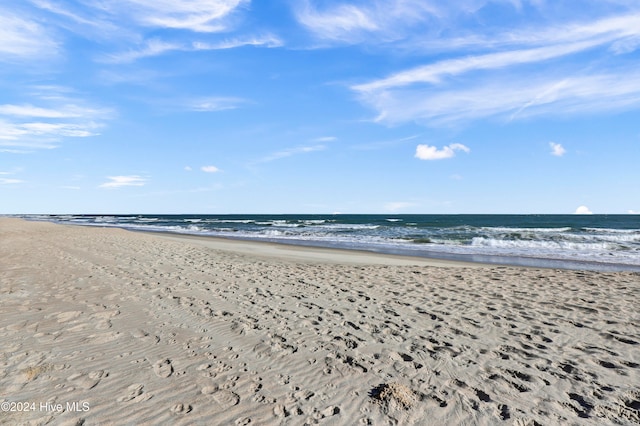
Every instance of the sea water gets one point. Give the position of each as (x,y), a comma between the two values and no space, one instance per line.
(595,242)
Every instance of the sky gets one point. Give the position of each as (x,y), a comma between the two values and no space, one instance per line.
(313,106)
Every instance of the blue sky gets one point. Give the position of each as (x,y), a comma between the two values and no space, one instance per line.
(309,106)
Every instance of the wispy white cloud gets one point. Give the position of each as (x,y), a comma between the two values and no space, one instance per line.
(619,30)
(340,23)
(152,47)
(214,103)
(633,211)
(557,149)
(128,27)
(195,15)
(434,73)
(59,129)
(57,117)
(325,139)
(156,47)
(509,97)
(357,22)
(533,76)
(121,181)
(9,181)
(23,38)
(427,152)
(268,40)
(62,111)
(426,25)
(210,169)
(16,135)
(290,152)
(88,19)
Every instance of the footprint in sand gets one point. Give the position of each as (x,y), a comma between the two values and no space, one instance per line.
(163,368)
(132,392)
(223,397)
(17,326)
(145,336)
(87,381)
(99,339)
(103,325)
(181,409)
(68,316)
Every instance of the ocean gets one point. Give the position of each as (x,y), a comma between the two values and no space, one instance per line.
(589,242)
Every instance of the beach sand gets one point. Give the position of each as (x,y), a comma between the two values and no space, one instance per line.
(106,326)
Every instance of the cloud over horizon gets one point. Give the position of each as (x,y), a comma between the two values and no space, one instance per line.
(583,210)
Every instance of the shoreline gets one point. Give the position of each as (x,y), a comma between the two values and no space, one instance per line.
(124,327)
(434,256)
(311,253)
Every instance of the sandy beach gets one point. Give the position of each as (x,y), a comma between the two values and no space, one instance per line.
(107,326)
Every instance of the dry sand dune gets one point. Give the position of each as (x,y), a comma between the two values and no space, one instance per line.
(105,326)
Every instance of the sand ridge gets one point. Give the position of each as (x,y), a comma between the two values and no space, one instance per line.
(146,330)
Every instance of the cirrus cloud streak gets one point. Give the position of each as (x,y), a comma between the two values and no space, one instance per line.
(122,181)
(539,73)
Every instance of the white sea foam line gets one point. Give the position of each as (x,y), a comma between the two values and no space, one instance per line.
(534,230)
(614,231)
(487,242)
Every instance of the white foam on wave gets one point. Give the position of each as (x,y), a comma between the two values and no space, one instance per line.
(106,219)
(524,230)
(613,231)
(348,226)
(230,221)
(542,245)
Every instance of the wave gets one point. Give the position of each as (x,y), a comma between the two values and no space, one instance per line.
(106,219)
(314,222)
(613,231)
(530,230)
(545,245)
(245,221)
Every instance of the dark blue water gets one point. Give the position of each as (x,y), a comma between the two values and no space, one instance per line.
(600,242)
